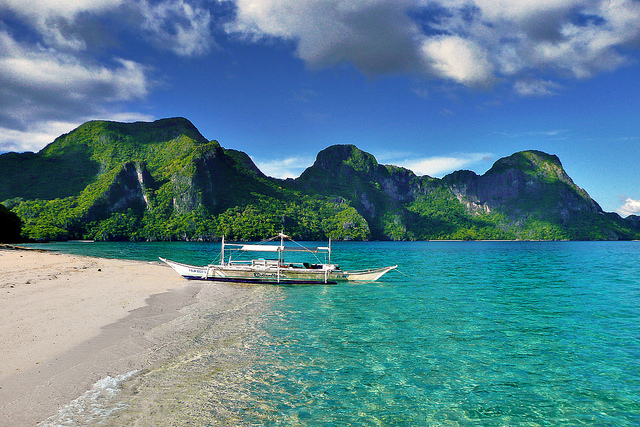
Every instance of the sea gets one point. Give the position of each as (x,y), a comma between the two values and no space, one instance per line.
(462,334)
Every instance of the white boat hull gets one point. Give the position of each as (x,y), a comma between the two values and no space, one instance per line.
(369,275)
(271,274)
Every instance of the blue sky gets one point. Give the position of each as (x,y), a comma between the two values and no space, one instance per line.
(434,86)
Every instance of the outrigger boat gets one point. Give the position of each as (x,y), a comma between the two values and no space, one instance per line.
(274,271)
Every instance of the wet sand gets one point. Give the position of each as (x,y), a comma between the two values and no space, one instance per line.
(67,321)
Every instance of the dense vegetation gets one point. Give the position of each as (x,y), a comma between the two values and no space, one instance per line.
(306,219)
(165,181)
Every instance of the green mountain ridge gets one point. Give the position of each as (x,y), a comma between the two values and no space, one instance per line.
(165,181)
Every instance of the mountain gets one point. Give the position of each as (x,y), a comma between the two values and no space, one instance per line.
(527,195)
(164,180)
(160,180)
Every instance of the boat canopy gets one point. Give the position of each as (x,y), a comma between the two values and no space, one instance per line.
(273,248)
(260,248)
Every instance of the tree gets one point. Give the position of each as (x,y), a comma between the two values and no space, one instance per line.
(10,226)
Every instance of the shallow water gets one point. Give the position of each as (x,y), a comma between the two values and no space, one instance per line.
(467,333)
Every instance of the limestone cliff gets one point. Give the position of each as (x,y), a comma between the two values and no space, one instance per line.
(525,184)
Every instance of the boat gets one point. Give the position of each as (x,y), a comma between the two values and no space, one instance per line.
(274,270)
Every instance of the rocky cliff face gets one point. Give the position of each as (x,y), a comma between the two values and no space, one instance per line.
(222,178)
(529,183)
(376,191)
(340,168)
(128,189)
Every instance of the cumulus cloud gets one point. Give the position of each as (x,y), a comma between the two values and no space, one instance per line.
(40,87)
(54,19)
(181,26)
(39,9)
(376,36)
(630,207)
(458,59)
(290,167)
(471,42)
(32,76)
(440,166)
(178,26)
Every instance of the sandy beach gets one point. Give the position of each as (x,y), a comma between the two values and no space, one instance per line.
(67,321)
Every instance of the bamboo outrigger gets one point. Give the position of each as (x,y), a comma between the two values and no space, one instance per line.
(274,271)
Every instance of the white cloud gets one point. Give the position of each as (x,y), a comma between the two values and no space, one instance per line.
(53,18)
(46,8)
(126,117)
(42,87)
(290,167)
(49,76)
(536,87)
(26,69)
(459,59)
(630,207)
(375,35)
(495,10)
(441,165)
(181,26)
(178,26)
(472,42)
(34,138)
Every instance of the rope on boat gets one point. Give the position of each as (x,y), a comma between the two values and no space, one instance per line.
(270,239)
(290,239)
(404,274)
(306,249)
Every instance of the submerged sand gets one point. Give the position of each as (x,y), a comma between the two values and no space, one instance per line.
(67,321)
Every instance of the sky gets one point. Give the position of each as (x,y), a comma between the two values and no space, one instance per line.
(431,85)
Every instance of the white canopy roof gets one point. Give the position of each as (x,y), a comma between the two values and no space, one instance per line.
(261,248)
(273,248)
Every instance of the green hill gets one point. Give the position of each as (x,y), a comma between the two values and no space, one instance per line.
(165,181)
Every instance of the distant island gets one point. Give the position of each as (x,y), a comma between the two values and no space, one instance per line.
(165,181)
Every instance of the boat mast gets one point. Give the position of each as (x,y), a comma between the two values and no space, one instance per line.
(222,252)
(282,235)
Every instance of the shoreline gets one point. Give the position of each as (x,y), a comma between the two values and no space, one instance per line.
(67,321)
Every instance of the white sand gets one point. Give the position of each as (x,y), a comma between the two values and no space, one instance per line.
(53,311)
(51,302)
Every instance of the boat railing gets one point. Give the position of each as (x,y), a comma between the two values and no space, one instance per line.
(274,263)
(246,262)
(265,263)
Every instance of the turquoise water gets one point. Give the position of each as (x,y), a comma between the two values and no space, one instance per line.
(467,333)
